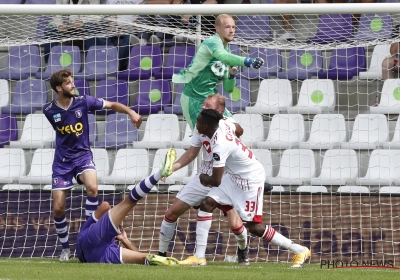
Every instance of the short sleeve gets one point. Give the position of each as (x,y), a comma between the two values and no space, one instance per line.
(195,140)
(94,104)
(220,153)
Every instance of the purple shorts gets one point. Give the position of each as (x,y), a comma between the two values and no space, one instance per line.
(63,173)
(96,241)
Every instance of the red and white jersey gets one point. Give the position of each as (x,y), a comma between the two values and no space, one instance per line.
(239,161)
(200,140)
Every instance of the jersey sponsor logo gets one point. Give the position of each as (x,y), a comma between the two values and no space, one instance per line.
(78,113)
(57,117)
(216,156)
(207,146)
(77,129)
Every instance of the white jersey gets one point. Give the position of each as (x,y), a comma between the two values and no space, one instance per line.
(200,140)
(239,161)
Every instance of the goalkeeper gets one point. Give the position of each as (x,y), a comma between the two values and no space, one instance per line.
(212,62)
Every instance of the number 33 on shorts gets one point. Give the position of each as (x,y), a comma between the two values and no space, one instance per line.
(250,206)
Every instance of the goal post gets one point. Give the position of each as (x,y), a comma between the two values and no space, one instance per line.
(288,111)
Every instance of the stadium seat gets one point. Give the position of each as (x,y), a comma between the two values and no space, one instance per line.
(92,128)
(23,62)
(118,132)
(339,167)
(295,168)
(375,68)
(312,189)
(11,1)
(277,189)
(12,165)
(176,107)
(144,61)
(264,156)
(114,91)
(302,64)
(37,132)
(274,97)
(178,175)
(62,57)
(130,166)
(395,142)
(40,2)
(4,93)
(327,132)
(16,187)
(8,129)
(253,127)
(29,96)
(235,49)
(316,96)
(253,27)
(285,132)
(345,64)
(106,188)
(101,62)
(178,58)
(175,188)
(100,159)
(185,142)
(374,27)
(369,132)
(152,96)
(41,168)
(272,63)
(352,189)
(81,87)
(382,168)
(389,102)
(160,132)
(389,189)
(239,99)
(333,28)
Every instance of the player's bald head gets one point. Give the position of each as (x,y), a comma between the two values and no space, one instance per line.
(216,102)
(220,19)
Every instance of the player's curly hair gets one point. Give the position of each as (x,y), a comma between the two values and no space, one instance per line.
(57,78)
(211,117)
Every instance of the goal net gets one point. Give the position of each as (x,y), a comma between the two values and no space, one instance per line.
(321,115)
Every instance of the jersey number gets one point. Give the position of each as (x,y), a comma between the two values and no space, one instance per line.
(250,206)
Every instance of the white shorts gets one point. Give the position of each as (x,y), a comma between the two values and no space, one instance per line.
(193,192)
(248,203)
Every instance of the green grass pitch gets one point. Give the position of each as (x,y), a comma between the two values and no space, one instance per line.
(41,268)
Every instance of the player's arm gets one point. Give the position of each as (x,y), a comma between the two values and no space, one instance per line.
(214,180)
(136,119)
(123,238)
(239,130)
(186,158)
(234,60)
(229,80)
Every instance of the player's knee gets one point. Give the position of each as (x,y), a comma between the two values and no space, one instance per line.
(171,214)
(208,204)
(58,210)
(91,189)
(105,206)
(256,228)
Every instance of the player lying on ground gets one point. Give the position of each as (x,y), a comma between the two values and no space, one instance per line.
(194,192)
(96,238)
(237,179)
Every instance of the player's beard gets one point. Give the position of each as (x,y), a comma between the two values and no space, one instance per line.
(68,94)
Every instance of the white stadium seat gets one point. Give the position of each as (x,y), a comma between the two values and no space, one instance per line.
(160,132)
(4,93)
(388,103)
(177,176)
(312,189)
(253,128)
(37,133)
(375,68)
(369,132)
(100,158)
(316,96)
(327,132)
(17,187)
(264,156)
(12,164)
(41,168)
(395,142)
(185,142)
(389,189)
(353,189)
(274,97)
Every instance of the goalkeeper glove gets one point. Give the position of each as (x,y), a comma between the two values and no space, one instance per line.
(232,72)
(255,63)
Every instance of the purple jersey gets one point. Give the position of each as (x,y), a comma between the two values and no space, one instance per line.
(72,127)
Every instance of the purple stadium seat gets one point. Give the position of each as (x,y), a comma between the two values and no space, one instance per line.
(114,91)
(82,87)
(374,26)
(178,58)
(118,132)
(302,65)
(92,128)
(239,99)
(11,1)
(345,64)
(101,62)
(152,96)
(253,27)
(271,67)
(176,107)
(143,62)
(62,57)
(235,49)
(23,61)
(333,27)
(40,2)
(8,129)
(29,96)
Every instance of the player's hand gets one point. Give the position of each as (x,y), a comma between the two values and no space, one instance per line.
(62,27)
(122,235)
(136,119)
(78,24)
(255,63)
(203,180)
(232,72)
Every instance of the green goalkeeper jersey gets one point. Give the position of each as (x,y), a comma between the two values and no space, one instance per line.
(210,64)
